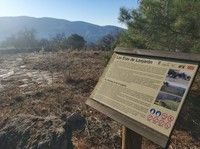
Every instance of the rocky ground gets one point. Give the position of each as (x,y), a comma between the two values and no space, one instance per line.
(40,91)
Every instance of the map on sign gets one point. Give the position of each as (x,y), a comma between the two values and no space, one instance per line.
(148,90)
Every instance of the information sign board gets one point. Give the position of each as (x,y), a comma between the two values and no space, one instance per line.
(148,90)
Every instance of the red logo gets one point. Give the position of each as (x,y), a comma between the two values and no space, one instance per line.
(190,67)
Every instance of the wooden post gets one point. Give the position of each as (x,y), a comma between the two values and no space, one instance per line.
(130,139)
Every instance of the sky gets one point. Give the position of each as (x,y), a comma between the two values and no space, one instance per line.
(100,12)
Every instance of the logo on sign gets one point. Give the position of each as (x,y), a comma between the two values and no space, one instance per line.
(161,119)
(190,67)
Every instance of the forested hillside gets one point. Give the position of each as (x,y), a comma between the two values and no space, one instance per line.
(47,28)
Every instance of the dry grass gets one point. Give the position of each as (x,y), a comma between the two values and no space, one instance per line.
(74,75)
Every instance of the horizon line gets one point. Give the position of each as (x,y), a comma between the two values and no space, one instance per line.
(63,20)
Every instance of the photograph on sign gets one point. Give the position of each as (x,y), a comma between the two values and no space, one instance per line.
(173,89)
(149,91)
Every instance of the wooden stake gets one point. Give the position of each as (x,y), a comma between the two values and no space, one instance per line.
(130,139)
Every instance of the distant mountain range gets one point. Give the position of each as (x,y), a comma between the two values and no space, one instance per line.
(49,27)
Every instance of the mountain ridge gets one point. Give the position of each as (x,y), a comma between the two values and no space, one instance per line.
(47,27)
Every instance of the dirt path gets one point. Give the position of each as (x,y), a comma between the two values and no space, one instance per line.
(14,73)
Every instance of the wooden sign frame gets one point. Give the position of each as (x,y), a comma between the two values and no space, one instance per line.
(132,124)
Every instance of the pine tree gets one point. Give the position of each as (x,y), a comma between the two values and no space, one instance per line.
(162,24)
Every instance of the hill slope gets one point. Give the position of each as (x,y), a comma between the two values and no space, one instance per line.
(49,27)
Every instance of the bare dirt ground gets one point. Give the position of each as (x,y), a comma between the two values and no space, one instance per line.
(41,89)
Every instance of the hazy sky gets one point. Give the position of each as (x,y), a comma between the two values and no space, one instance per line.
(101,12)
